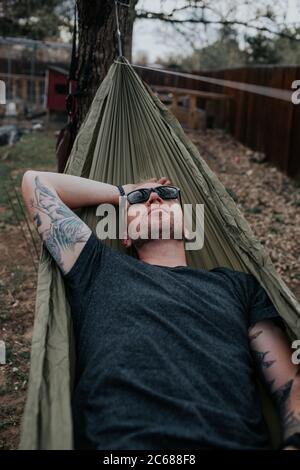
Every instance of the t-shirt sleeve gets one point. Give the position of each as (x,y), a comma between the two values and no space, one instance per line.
(260,305)
(82,274)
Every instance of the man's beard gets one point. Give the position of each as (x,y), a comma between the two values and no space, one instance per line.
(171,233)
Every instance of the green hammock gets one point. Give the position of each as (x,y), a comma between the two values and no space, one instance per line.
(129,134)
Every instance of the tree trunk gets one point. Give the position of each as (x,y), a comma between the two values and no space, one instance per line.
(98,45)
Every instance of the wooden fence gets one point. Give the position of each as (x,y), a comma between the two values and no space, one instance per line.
(262,123)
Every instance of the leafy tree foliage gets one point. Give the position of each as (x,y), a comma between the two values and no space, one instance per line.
(35,19)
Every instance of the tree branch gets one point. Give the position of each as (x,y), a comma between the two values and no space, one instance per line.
(169,18)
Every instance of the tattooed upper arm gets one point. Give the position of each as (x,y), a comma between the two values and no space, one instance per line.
(61,230)
(272,354)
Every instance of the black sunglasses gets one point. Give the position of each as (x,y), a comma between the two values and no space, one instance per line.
(139,196)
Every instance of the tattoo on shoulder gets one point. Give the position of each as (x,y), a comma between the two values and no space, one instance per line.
(65,229)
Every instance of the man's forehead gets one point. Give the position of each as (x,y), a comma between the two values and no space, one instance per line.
(149,184)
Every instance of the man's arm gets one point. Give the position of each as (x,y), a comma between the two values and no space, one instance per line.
(49,198)
(272,354)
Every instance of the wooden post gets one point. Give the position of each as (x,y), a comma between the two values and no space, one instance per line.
(13,89)
(24,89)
(37,92)
(174,103)
(192,113)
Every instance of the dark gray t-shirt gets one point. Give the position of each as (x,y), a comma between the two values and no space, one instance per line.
(163,358)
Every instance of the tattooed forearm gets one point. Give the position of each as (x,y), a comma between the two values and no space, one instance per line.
(61,230)
(261,359)
(272,356)
(255,335)
(287,398)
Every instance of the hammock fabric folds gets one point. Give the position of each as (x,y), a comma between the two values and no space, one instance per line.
(127,135)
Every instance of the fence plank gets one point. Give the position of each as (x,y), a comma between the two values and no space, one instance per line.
(264,124)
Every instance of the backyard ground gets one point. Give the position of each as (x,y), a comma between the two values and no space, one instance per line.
(269,200)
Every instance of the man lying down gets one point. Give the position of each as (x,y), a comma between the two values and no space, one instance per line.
(166,354)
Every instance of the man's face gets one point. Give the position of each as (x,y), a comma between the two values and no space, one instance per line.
(154,219)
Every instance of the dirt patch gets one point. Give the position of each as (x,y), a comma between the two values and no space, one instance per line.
(17,296)
(269,200)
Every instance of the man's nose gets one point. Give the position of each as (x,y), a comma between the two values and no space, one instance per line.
(154,197)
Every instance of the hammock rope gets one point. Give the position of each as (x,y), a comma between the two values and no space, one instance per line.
(276,93)
(119,37)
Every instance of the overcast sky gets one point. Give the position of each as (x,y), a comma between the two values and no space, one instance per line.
(158,39)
